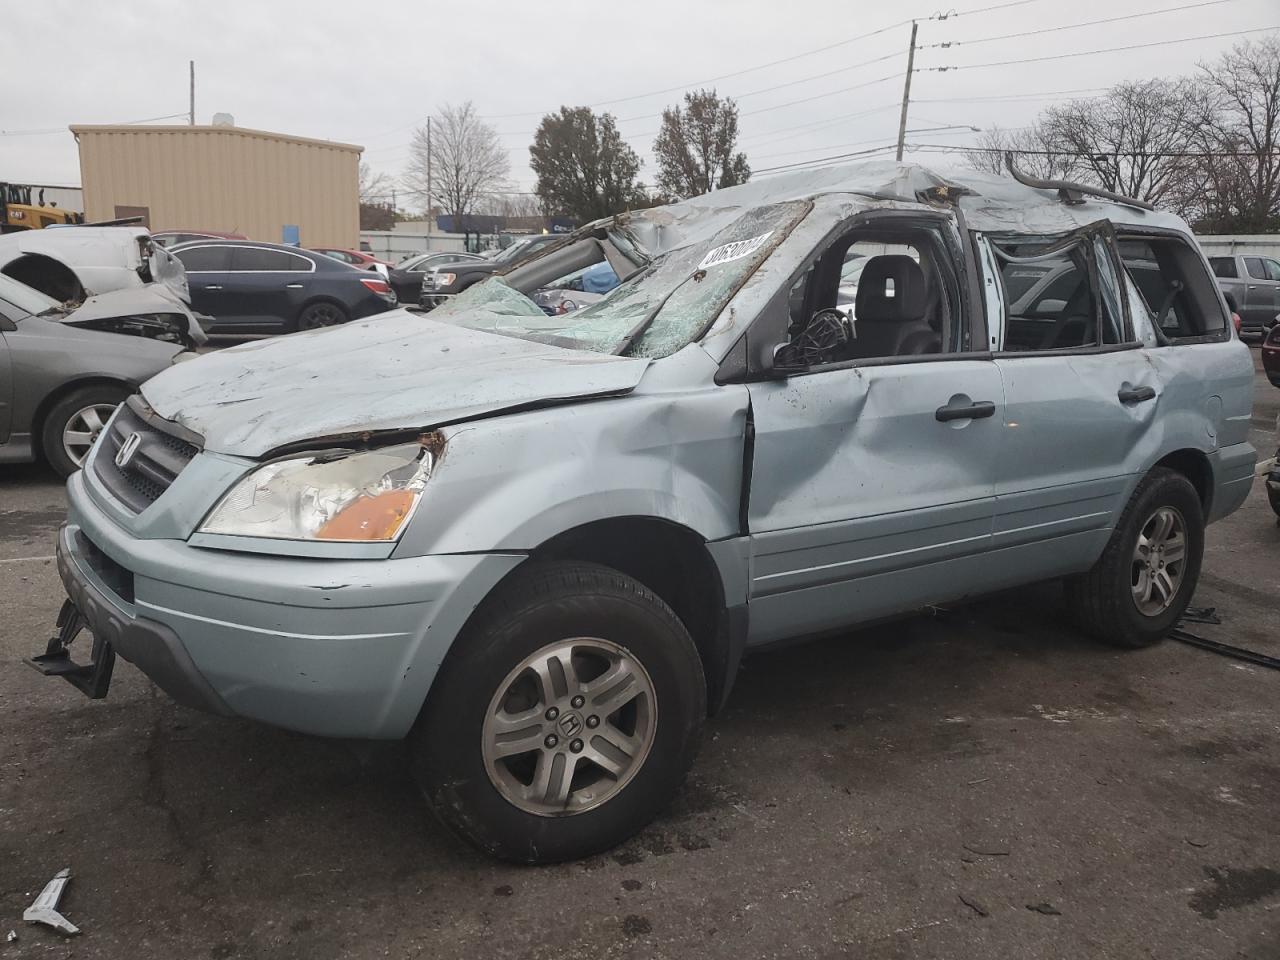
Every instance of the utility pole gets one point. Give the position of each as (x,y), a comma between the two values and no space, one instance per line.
(191,117)
(429,218)
(906,89)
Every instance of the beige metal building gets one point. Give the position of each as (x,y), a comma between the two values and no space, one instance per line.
(222,178)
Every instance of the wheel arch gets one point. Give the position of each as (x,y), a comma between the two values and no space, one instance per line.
(315,298)
(47,274)
(1194,465)
(675,563)
(57,395)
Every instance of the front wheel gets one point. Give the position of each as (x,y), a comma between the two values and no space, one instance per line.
(1147,574)
(564,719)
(74,424)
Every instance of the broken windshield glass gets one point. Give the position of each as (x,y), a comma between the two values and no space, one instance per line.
(667,304)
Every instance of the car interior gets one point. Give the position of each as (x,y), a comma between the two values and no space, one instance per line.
(1181,297)
(1054,299)
(903,303)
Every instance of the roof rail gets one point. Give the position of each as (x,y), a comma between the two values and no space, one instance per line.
(1069,192)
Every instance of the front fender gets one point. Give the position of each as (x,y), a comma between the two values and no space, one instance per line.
(513,482)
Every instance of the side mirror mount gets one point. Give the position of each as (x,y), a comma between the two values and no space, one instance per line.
(784,362)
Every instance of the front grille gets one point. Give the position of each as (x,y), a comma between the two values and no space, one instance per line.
(157,459)
(115,577)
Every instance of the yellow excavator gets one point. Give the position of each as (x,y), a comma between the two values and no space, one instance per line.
(17,212)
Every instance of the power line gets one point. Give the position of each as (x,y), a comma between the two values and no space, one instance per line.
(819,96)
(726,76)
(63,129)
(1045,95)
(822,161)
(1143,154)
(1073,26)
(1092,53)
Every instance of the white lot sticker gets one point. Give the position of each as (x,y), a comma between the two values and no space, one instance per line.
(734,251)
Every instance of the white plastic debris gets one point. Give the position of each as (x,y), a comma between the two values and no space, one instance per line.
(45,909)
(13,935)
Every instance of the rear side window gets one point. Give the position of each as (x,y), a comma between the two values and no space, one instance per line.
(208,259)
(260,258)
(1059,296)
(1224,267)
(1273,269)
(1255,267)
(1181,297)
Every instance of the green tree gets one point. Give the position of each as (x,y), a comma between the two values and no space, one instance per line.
(695,146)
(584,167)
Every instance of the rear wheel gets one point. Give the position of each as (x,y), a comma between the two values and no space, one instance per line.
(74,423)
(1145,578)
(321,315)
(565,717)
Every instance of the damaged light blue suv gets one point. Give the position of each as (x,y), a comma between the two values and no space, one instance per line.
(539,546)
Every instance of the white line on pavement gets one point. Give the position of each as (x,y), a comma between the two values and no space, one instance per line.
(23,559)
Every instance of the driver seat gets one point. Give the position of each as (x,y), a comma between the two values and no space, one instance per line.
(890,308)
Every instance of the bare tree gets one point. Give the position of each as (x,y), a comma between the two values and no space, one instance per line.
(466,161)
(1239,135)
(1133,139)
(509,203)
(372,187)
(1033,153)
(695,146)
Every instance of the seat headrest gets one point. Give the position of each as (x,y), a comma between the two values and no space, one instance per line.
(904,299)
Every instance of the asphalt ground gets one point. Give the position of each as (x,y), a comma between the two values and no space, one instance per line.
(983,783)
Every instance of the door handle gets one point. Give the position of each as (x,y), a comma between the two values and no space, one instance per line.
(1136,394)
(212,286)
(293,286)
(1252,286)
(977,410)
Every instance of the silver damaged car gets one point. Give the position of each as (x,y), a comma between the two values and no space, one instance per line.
(539,547)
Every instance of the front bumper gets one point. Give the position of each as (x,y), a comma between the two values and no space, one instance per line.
(344,648)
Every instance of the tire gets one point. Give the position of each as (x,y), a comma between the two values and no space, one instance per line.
(550,606)
(1105,600)
(320,314)
(82,413)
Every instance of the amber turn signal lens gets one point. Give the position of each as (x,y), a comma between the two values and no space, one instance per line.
(370,518)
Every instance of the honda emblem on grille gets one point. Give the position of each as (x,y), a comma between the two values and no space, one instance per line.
(127,449)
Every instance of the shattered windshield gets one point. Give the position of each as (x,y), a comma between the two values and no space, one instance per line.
(667,304)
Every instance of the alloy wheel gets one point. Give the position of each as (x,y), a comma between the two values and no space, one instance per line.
(83,428)
(1159,561)
(569,727)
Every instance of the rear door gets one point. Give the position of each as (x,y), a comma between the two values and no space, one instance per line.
(265,286)
(207,271)
(1080,393)
(1260,293)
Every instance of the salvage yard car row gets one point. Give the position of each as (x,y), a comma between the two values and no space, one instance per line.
(537,544)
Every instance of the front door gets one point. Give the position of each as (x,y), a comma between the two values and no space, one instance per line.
(873,463)
(865,500)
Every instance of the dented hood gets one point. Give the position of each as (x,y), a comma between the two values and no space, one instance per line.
(153,300)
(395,371)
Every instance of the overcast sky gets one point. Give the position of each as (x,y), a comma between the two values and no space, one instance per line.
(368,74)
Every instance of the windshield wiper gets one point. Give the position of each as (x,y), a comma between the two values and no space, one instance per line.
(638,330)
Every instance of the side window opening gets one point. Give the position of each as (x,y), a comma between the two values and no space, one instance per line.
(875,294)
(1180,296)
(1224,267)
(1256,268)
(1059,294)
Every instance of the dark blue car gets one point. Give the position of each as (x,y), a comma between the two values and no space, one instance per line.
(251,287)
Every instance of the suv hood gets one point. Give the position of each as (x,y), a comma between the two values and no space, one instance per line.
(397,371)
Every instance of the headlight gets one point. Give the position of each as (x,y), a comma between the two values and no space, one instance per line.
(359,497)
(445,279)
